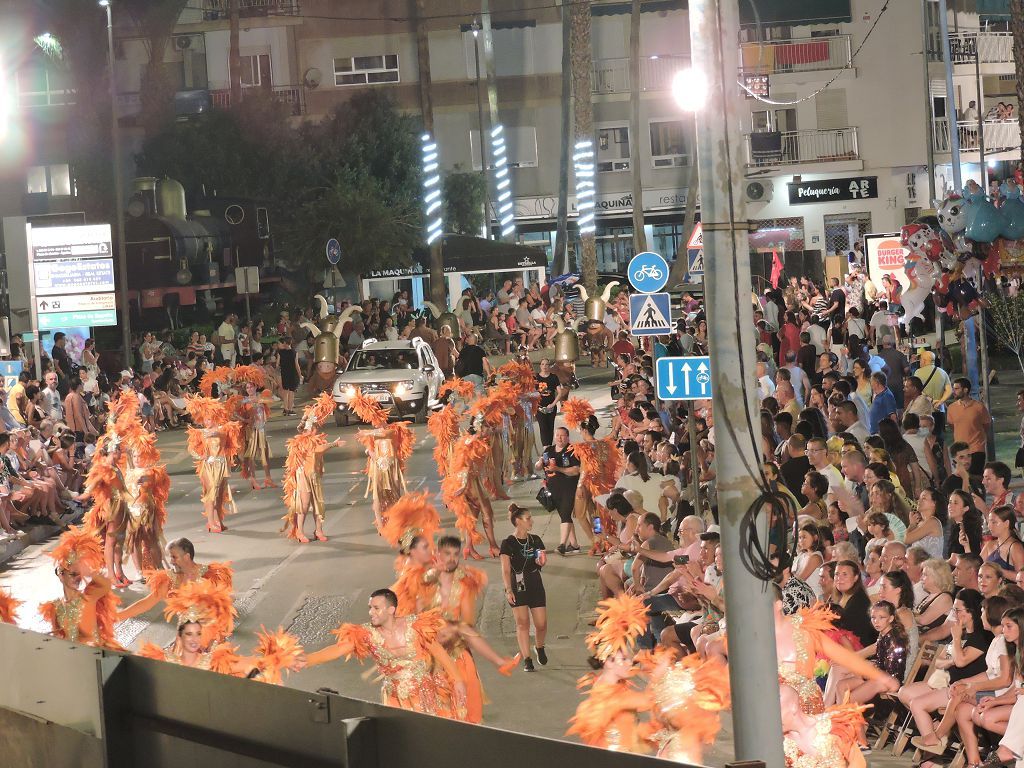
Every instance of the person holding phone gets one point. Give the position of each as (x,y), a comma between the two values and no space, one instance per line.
(561,469)
(522,558)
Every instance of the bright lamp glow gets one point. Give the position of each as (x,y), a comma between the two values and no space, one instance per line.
(690,89)
(499,155)
(583,165)
(6,100)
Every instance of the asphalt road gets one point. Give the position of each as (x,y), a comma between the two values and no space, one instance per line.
(310,589)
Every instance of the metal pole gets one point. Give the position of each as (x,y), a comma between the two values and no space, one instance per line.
(929,108)
(954,134)
(483,134)
(981,120)
(753,668)
(122,254)
(694,479)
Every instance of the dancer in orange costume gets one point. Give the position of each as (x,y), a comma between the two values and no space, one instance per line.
(107,517)
(255,410)
(388,448)
(410,528)
(463,493)
(800,640)
(826,740)
(457,588)
(184,569)
(277,652)
(608,717)
(417,674)
(8,607)
(688,696)
(215,441)
(600,466)
(520,430)
(304,470)
(490,416)
(86,612)
(444,424)
(205,616)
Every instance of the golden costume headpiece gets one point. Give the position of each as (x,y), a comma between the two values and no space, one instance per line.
(78,545)
(368,410)
(409,517)
(318,411)
(205,603)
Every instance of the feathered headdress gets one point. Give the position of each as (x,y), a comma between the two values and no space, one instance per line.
(519,375)
(576,410)
(368,410)
(221,376)
(8,607)
(206,411)
(410,516)
(318,411)
(78,545)
(249,374)
(206,603)
(460,388)
(277,652)
(620,622)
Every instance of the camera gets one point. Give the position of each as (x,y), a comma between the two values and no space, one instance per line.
(681,560)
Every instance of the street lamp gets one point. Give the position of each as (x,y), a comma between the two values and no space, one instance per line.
(115,138)
(690,89)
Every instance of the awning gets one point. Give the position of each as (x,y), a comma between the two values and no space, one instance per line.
(795,12)
(652,6)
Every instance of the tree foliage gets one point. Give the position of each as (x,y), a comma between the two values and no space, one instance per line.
(354,175)
(464,202)
(1007,313)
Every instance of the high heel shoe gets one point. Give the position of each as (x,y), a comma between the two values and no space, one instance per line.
(320,537)
(302,539)
(214,529)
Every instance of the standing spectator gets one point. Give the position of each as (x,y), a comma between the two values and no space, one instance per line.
(444,351)
(562,474)
(898,365)
(244,343)
(423,331)
(522,557)
(77,412)
(551,392)
(883,403)
(970,421)
(291,375)
(473,365)
(226,339)
(935,384)
(147,352)
(59,355)
(17,400)
(89,359)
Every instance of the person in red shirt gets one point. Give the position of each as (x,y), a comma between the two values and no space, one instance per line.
(622,346)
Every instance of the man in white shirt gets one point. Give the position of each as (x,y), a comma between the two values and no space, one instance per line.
(817,454)
(52,401)
(226,332)
(765,385)
(819,337)
(848,420)
(798,378)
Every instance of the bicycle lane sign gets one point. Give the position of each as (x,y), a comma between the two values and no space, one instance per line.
(647,272)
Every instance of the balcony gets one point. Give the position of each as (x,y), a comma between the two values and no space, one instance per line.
(292,95)
(990,47)
(772,148)
(808,54)
(656,73)
(998,135)
(214,10)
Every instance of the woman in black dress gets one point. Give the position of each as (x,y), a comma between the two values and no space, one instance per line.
(522,557)
(290,375)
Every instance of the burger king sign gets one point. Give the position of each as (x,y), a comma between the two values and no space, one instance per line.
(886,256)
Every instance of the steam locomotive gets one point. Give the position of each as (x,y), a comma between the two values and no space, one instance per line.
(179,259)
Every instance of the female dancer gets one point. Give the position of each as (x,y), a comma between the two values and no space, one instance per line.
(214,440)
(388,448)
(304,469)
(255,410)
(600,464)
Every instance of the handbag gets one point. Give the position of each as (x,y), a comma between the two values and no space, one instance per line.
(546,499)
(1019,461)
(939,679)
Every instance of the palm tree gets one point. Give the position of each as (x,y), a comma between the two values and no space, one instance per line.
(1017,27)
(583,117)
(156,20)
(234,53)
(635,166)
(561,255)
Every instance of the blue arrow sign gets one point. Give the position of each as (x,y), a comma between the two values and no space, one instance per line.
(647,272)
(650,314)
(333,251)
(683,378)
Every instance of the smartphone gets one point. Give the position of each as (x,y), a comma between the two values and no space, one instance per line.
(681,560)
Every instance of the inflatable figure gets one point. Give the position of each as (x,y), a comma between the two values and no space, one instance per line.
(984,221)
(1012,210)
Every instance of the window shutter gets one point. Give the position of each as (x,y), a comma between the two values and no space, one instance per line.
(830,106)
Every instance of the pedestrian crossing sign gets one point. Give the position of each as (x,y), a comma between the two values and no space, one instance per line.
(650,314)
(695,261)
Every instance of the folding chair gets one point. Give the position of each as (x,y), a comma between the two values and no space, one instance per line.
(903,734)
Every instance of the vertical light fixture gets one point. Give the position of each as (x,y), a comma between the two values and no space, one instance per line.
(431,187)
(503,181)
(6,97)
(583,165)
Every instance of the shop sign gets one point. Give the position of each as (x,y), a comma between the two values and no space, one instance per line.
(833,190)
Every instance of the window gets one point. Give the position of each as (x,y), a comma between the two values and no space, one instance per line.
(366,70)
(256,70)
(52,179)
(521,144)
(42,85)
(612,149)
(669,144)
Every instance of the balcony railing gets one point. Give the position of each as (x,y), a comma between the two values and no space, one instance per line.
(801,55)
(991,47)
(218,9)
(656,73)
(794,147)
(998,135)
(292,95)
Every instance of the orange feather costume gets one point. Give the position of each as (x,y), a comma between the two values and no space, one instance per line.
(461,487)
(86,616)
(600,466)
(388,448)
(410,518)
(304,467)
(8,607)
(162,583)
(216,442)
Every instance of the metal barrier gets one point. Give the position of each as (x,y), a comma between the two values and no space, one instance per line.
(111,709)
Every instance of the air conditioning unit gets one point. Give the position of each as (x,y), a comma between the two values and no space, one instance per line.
(182,42)
(758,191)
